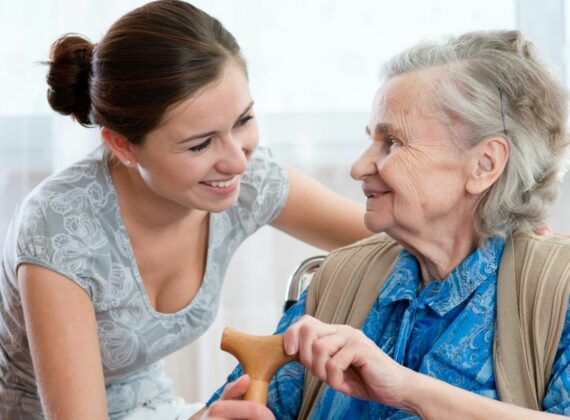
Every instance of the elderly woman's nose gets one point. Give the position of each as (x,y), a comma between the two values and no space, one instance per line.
(362,167)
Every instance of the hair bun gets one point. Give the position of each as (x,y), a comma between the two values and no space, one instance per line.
(68,77)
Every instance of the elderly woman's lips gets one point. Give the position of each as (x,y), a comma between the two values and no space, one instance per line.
(373,194)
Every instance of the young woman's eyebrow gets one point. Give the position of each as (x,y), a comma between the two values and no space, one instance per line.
(211,133)
(245,111)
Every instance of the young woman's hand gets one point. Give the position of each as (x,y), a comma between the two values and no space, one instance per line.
(545,230)
(347,361)
(230,406)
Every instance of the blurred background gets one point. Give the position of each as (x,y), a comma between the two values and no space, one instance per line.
(313,68)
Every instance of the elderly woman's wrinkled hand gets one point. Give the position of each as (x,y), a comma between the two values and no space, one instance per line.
(230,406)
(347,361)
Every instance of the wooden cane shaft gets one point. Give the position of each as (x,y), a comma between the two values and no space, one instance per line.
(257,391)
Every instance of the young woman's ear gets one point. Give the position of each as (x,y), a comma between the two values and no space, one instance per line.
(487,162)
(119,146)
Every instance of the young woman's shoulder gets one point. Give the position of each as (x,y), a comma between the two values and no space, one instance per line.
(264,190)
(63,221)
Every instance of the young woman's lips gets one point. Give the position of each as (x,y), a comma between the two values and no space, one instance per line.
(221,187)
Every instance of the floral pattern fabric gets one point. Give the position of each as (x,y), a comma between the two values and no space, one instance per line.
(444,330)
(71,224)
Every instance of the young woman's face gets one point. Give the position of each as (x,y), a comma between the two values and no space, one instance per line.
(197,156)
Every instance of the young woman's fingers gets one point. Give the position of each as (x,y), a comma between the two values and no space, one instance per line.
(236,389)
(237,409)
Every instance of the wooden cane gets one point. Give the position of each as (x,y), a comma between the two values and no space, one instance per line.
(259,356)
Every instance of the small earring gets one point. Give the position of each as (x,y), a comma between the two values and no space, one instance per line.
(127,162)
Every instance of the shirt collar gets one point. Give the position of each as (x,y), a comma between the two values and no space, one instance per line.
(403,282)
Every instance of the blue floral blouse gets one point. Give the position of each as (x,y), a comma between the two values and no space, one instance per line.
(445,331)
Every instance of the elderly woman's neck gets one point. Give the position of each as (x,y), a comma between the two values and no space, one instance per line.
(439,255)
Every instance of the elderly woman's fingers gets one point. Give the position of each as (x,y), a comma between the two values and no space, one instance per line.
(347,357)
(235,409)
(236,389)
(336,376)
(305,328)
(310,331)
(323,350)
(346,379)
(291,337)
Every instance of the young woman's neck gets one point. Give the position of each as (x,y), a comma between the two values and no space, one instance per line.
(145,208)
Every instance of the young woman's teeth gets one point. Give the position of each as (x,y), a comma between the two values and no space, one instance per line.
(221,184)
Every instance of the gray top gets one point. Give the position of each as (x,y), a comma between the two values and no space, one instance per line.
(71,224)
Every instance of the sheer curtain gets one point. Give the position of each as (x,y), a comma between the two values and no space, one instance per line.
(313,71)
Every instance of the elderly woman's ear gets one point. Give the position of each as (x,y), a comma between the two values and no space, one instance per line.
(486,163)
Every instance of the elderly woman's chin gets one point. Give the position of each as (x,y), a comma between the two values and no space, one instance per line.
(378,221)
(379,214)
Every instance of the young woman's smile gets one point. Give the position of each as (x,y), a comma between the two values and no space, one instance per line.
(222,187)
(196,158)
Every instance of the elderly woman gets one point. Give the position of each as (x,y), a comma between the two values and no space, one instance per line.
(457,310)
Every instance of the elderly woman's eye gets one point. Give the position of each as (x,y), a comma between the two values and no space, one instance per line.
(391,142)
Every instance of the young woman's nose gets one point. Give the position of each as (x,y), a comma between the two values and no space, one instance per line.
(235,155)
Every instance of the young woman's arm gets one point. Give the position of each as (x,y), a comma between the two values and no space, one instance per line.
(62,333)
(319,216)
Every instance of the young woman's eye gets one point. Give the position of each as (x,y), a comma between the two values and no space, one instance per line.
(243,121)
(201,146)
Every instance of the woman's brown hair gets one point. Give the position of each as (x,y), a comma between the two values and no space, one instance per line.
(151,58)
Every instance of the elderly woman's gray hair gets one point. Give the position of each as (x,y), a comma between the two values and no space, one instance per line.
(493,83)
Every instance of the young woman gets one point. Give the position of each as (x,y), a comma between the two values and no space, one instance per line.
(118,260)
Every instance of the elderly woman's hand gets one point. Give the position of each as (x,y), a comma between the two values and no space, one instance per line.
(347,361)
(230,406)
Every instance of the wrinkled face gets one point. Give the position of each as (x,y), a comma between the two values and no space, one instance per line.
(412,172)
(198,154)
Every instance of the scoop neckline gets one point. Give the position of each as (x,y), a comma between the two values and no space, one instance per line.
(200,294)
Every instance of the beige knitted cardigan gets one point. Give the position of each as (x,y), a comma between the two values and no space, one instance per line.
(532,292)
